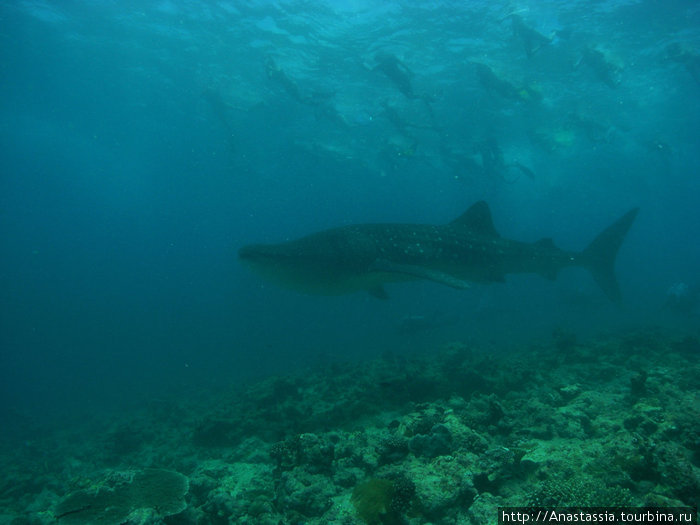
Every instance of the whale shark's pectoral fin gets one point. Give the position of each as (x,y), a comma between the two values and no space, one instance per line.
(420,272)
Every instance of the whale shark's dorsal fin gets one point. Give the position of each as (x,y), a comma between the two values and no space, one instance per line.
(477,219)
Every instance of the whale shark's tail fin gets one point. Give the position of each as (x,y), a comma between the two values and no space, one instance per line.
(599,256)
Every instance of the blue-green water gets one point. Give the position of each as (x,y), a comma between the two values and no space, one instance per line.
(143,143)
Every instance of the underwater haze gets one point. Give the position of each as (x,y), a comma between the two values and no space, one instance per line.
(143,143)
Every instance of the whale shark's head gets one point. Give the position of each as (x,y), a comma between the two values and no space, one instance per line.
(279,264)
(325,263)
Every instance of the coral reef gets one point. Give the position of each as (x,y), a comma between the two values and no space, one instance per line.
(439,438)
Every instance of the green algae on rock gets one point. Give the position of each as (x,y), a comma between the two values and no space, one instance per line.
(122,495)
(382,501)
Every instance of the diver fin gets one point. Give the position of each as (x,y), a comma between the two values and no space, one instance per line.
(524,169)
(420,272)
(599,256)
(477,219)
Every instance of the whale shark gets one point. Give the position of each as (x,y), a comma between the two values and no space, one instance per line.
(467,250)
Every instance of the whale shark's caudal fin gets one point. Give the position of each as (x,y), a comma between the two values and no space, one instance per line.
(599,256)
